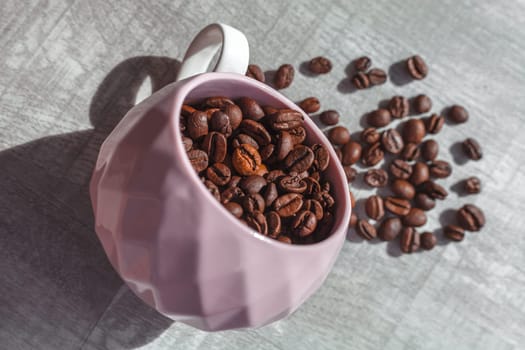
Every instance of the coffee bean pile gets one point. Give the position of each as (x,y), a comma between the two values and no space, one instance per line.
(410,168)
(254,160)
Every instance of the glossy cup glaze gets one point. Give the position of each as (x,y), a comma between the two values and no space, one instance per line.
(175,245)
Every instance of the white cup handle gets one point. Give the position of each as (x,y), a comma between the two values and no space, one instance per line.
(234,56)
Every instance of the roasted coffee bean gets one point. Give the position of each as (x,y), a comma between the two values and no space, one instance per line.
(214,190)
(246,160)
(376,178)
(374,207)
(298,135)
(377,76)
(252,184)
(416,67)
(413,131)
(270,194)
(457,114)
(315,207)
(320,65)
(400,169)
(422,104)
(339,135)
(454,232)
(216,146)
(255,72)
(186,110)
(379,118)
(187,143)
(392,141)
(250,108)
(257,221)
(440,169)
(269,110)
(310,105)
(217,102)
(273,221)
(288,204)
(389,229)
(339,154)
(434,123)
(353,220)
(434,190)
(410,240)
(284,239)
(415,217)
(403,189)
(424,201)
(360,80)
(285,119)
(429,150)
(209,112)
(329,117)
(312,186)
(292,184)
(471,218)
(197,125)
(299,159)
(366,230)
(304,223)
(362,64)
(219,174)
(370,136)
(325,226)
(235,209)
(398,107)
(257,131)
(326,200)
(350,173)
(472,149)
(420,173)
(428,240)
(253,202)
(284,76)
(267,152)
(220,122)
(410,152)
(231,194)
(198,159)
(351,153)
(246,139)
(321,157)
(352,199)
(235,114)
(472,185)
(397,206)
(274,175)
(284,145)
(372,155)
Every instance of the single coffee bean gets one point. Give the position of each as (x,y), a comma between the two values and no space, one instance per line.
(429,150)
(376,178)
(198,159)
(235,114)
(377,76)
(315,207)
(392,141)
(434,123)
(434,190)
(353,221)
(339,135)
(454,233)
(257,221)
(398,107)
(312,186)
(326,200)
(351,153)
(273,175)
(410,152)
(257,131)
(219,174)
(234,208)
(366,230)
(360,81)
(320,65)
(217,102)
(209,112)
(291,184)
(299,159)
(187,142)
(416,67)
(215,145)
(457,114)
(329,117)
(472,149)
(288,204)
(253,202)
(374,207)
(472,185)
(246,160)
(389,229)
(273,221)
(339,154)
(197,125)
(220,122)
(420,173)
(424,201)
(428,240)
(255,72)
(471,218)
(284,239)
(400,169)
(415,217)
(325,226)
(246,139)
(252,184)
(298,135)
(231,194)
(410,240)
(372,155)
(397,206)
(285,119)
(284,76)
(250,108)
(403,189)
(440,169)
(284,145)
(214,190)
(413,131)
(270,194)
(186,110)
(350,173)
(352,200)
(422,104)
(304,223)
(370,136)
(362,64)
(310,104)
(379,118)
(267,153)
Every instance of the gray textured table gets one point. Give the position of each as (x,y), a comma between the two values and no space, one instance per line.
(71,69)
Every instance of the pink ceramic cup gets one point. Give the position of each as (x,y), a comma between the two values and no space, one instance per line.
(175,245)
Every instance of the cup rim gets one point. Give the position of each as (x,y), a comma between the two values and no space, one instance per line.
(187,85)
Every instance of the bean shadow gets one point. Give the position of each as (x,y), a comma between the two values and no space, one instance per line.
(398,73)
(269,77)
(446,217)
(459,188)
(305,70)
(457,153)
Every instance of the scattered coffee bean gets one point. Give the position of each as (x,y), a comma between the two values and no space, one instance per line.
(284,76)
(410,240)
(420,173)
(472,149)
(360,80)
(379,118)
(440,169)
(470,217)
(374,207)
(255,72)
(413,131)
(398,107)
(422,104)
(353,220)
(429,150)
(417,68)
(351,153)
(377,76)
(329,117)
(403,189)
(472,185)
(350,173)
(376,178)
(389,229)
(397,206)
(320,65)
(370,136)
(400,169)
(352,199)
(310,105)
(424,201)
(410,152)
(457,114)
(454,232)
(366,230)
(415,217)
(434,123)
(392,141)
(428,240)
(362,64)
(339,135)
(434,190)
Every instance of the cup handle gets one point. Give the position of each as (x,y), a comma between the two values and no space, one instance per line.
(234,56)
